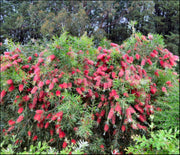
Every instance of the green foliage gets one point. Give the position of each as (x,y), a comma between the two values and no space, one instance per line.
(160,142)
(168,117)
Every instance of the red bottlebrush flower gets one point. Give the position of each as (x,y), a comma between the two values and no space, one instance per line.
(156,73)
(164,89)
(51,132)
(162,63)
(52,57)
(29,58)
(39,111)
(17,141)
(102,147)
(150,37)
(155,52)
(46,125)
(41,83)
(118,108)
(36,55)
(62,134)
(29,133)
(158,109)
(11,88)
(10,81)
(35,138)
(138,56)
(64,145)
(3,93)
(153,90)
(99,48)
(123,128)
(11,122)
(113,75)
(168,82)
(141,127)
(20,118)
(55,80)
(11,128)
(20,110)
(111,113)
(58,93)
(126,94)
(34,90)
(40,60)
(152,55)
(73,141)
(106,127)
(149,61)
(143,62)
(142,118)
(51,140)
(48,82)
(114,45)
(79,91)
(51,86)
(21,86)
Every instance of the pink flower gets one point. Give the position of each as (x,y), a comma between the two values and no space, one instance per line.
(29,133)
(3,93)
(52,57)
(58,93)
(164,89)
(123,128)
(111,113)
(46,125)
(73,141)
(20,110)
(21,86)
(149,61)
(41,83)
(64,145)
(106,127)
(137,56)
(10,81)
(114,45)
(11,122)
(99,48)
(152,55)
(11,88)
(34,90)
(47,82)
(62,134)
(156,73)
(51,86)
(35,138)
(20,118)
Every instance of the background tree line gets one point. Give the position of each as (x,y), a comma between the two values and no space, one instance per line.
(24,20)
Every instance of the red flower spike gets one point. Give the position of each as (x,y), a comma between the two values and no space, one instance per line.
(33,91)
(29,133)
(64,145)
(21,86)
(11,88)
(164,89)
(20,110)
(39,111)
(11,122)
(46,125)
(106,127)
(73,141)
(3,93)
(51,86)
(123,128)
(35,138)
(58,93)
(62,134)
(137,56)
(111,113)
(20,118)
(10,82)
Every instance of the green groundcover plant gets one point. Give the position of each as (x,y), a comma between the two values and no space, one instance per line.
(69,92)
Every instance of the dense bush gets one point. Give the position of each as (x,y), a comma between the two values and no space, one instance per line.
(71,91)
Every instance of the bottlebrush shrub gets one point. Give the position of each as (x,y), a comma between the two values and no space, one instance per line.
(106,95)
